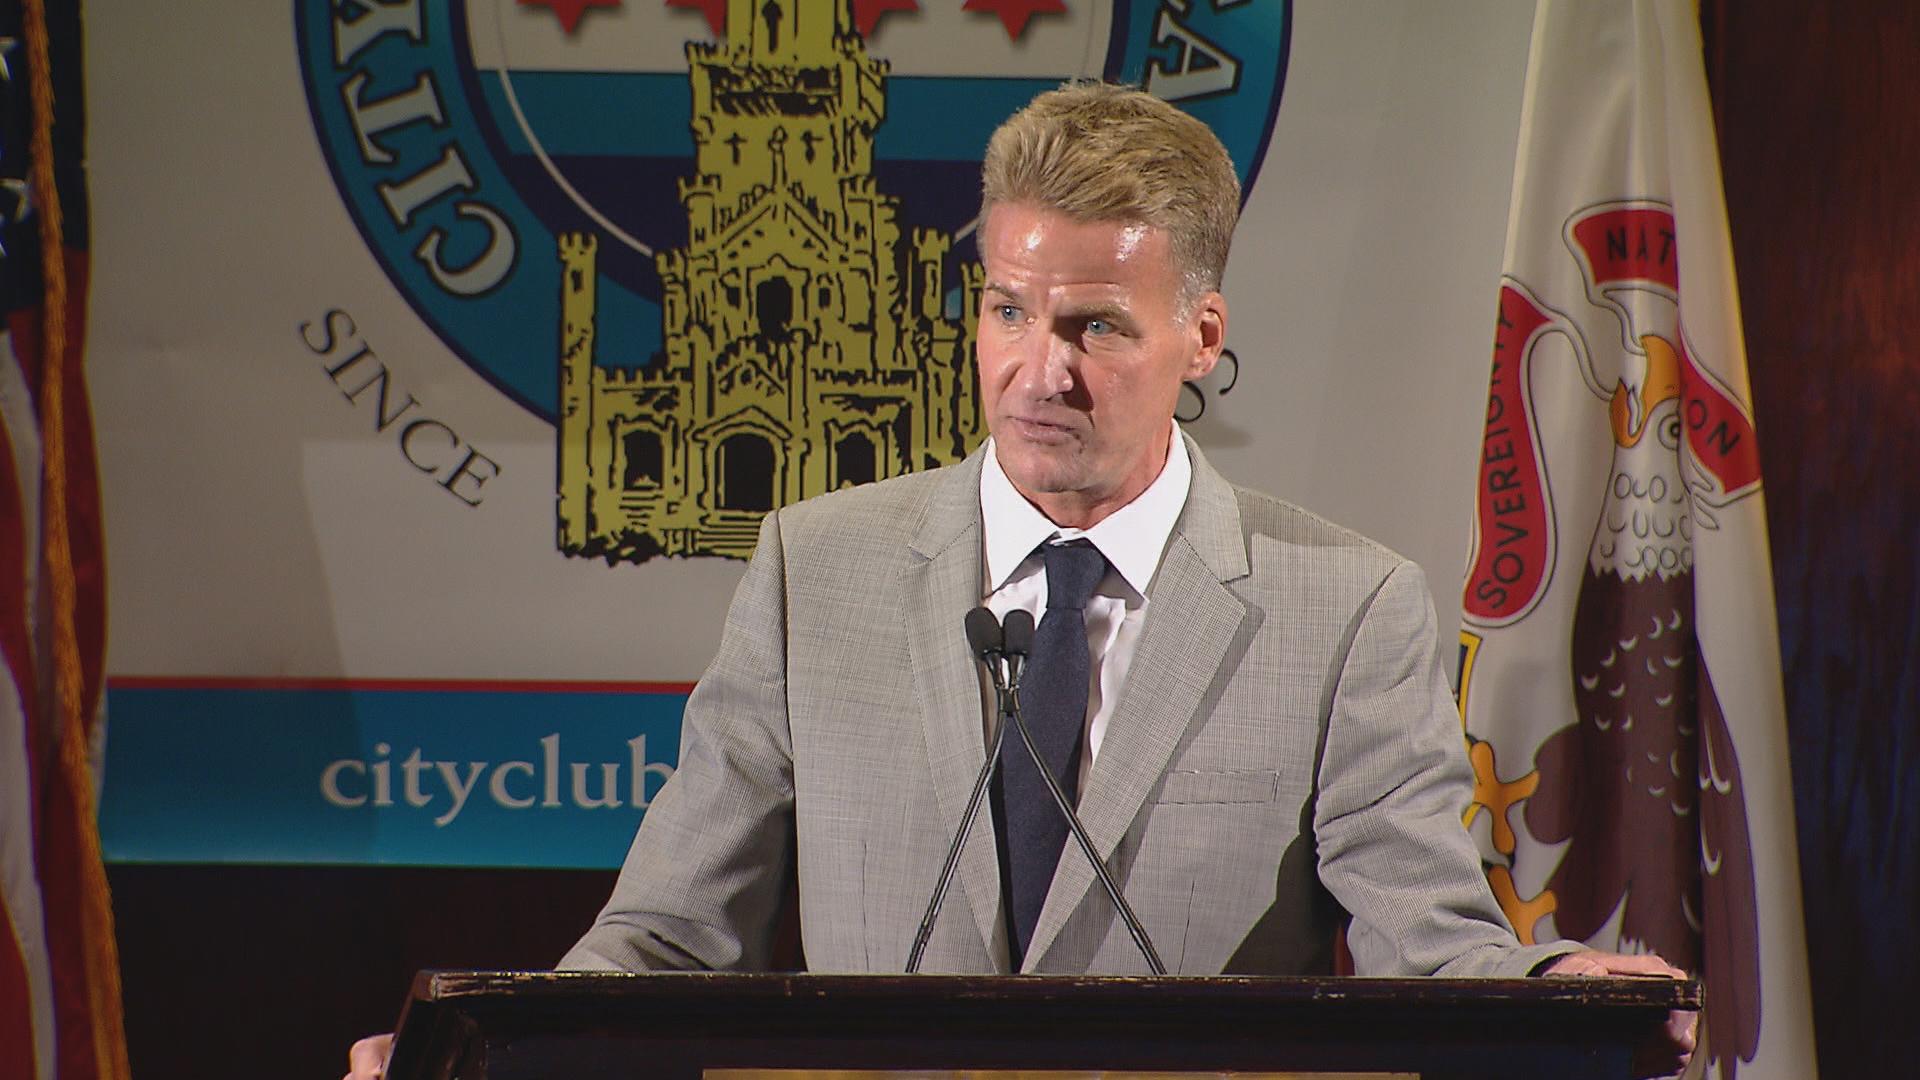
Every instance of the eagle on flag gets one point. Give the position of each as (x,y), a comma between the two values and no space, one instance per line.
(1644,787)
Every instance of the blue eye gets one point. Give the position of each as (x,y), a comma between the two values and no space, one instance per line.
(1007,312)
(1099,327)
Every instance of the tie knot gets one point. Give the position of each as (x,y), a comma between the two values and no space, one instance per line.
(1074,569)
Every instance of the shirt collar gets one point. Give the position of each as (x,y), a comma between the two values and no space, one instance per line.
(1132,538)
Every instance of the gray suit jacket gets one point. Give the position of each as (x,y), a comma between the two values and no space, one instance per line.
(1285,747)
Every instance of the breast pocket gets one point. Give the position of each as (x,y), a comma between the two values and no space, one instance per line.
(1186,786)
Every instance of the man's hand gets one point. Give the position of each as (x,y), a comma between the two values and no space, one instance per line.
(1664,1057)
(368,1058)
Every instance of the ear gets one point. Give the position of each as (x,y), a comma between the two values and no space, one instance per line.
(1208,325)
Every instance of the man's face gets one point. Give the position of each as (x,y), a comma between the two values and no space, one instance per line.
(1082,349)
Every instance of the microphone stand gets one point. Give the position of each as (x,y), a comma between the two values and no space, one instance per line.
(985,635)
(1004,651)
(1134,927)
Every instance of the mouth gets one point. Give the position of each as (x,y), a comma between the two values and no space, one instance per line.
(1042,430)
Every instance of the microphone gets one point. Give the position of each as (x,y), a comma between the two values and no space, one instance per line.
(987,640)
(1017,642)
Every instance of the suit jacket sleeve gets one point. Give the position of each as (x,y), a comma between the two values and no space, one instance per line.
(1393,787)
(705,876)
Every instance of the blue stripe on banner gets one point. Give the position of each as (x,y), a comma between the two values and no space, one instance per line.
(423,775)
(922,123)
(634,114)
(645,114)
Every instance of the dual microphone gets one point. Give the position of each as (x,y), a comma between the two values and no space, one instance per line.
(1003,647)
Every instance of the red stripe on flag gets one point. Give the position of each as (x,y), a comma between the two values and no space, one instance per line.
(58,860)
(16,1003)
(16,996)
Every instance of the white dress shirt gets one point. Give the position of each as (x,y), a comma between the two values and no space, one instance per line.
(1133,539)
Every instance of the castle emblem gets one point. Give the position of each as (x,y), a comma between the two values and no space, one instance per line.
(810,342)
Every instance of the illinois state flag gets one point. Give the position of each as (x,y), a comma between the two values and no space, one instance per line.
(1620,677)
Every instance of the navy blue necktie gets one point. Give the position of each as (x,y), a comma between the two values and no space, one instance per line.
(1053,701)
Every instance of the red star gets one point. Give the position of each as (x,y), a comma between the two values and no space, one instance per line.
(714,10)
(866,13)
(569,11)
(1015,13)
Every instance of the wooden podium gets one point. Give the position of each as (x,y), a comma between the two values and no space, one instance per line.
(582,1026)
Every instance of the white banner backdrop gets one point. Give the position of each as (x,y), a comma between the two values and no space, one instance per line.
(284,573)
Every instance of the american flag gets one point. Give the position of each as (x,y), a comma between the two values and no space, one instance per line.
(60,1011)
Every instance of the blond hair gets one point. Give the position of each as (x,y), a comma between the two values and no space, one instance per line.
(1099,152)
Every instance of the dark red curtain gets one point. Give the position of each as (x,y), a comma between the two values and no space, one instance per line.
(1819,111)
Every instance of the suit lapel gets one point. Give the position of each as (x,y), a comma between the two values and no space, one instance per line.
(940,587)
(1192,622)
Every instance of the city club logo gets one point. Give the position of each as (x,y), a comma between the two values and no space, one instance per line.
(724,246)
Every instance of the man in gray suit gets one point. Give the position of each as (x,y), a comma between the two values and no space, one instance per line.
(1268,746)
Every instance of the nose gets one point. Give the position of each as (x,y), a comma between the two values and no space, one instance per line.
(1047,366)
